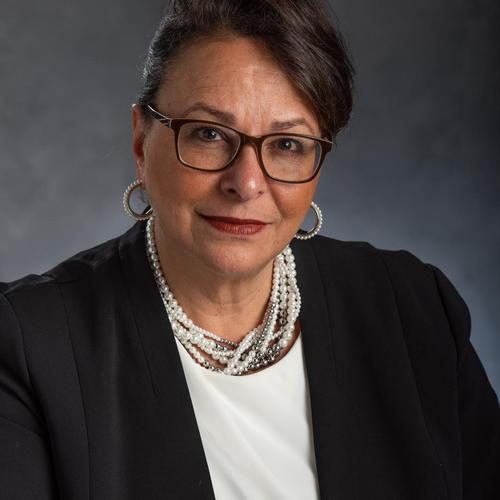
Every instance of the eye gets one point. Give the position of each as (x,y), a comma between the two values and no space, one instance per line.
(209,134)
(289,144)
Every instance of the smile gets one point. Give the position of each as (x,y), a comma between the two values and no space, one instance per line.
(240,227)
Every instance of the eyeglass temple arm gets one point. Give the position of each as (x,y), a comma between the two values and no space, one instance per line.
(161,118)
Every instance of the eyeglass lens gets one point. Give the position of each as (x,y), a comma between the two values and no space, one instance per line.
(211,147)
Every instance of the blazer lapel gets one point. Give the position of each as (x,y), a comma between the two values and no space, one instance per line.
(320,367)
(184,461)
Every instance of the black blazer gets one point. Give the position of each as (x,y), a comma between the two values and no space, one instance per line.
(94,403)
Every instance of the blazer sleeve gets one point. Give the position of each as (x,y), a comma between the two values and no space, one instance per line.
(479,411)
(25,464)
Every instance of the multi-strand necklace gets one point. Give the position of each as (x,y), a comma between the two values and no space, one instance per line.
(260,346)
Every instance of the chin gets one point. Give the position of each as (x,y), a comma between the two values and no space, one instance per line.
(243,261)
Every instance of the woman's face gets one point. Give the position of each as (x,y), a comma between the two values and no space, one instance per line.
(239,77)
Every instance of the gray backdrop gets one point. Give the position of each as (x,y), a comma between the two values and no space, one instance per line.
(418,167)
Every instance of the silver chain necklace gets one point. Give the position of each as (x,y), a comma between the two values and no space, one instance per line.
(261,345)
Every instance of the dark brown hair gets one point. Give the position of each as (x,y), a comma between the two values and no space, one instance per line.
(299,33)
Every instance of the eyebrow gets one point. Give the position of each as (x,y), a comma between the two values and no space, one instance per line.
(230,119)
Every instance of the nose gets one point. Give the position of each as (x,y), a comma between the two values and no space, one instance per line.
(244,179)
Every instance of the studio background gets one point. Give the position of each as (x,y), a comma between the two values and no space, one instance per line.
(418,168)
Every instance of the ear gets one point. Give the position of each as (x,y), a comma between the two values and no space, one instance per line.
(138,140)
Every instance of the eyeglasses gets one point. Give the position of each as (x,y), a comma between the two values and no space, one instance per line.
(210,146)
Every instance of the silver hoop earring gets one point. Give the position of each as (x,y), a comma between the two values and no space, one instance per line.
(306,235)
(126,202)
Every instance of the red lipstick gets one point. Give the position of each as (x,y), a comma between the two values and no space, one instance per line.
(231,225)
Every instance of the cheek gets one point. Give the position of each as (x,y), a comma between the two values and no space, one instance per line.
(160,161)
(163,174)
(173,188)
(294,201)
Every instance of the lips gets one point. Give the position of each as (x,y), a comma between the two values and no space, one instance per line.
(235,226)
(233,220)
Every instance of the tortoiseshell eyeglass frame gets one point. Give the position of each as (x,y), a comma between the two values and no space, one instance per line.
(176,123)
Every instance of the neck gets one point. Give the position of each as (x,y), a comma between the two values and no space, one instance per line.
(229,306)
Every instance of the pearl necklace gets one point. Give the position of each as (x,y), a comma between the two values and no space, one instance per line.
(260,346)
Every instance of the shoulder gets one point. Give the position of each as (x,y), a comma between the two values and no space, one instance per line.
(417,288)
(79,266)
(400,265)
(361,259)
(361,269)
(41,292)
(358,252)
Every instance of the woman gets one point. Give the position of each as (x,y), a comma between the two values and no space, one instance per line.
(215,350)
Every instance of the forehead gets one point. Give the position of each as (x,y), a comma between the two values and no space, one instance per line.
(239,74)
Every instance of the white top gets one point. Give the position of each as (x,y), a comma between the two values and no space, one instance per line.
(256,429)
